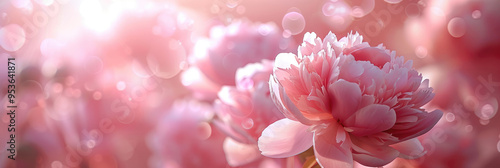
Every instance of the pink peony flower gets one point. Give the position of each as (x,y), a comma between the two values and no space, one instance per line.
(350,101)
(231,47)
(243,112)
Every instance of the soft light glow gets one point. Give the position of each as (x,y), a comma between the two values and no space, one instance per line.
(94,15)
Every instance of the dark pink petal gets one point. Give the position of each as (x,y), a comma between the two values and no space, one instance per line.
(285,138)
(351,71)
(371,119)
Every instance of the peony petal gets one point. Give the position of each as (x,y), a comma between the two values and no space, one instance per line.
(231,96)
(250,75)
(376,56)
(309,37)
(422,96)
(285,138)
(238,154)
(371,119)
(351,71)
(410,149)
(372,155)
(367,100)
(332,147)
(345,97)
(196,80)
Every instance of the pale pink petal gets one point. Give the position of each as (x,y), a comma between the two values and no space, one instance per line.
(232,96)
(236,45)
(332,147)
(381,138)
(356,47)
(367,100)
(194,79)
(424,124)
(285,138)
(238,154)
(371,119)
(249,76)
(410,149)
(349,92)
(345,98)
